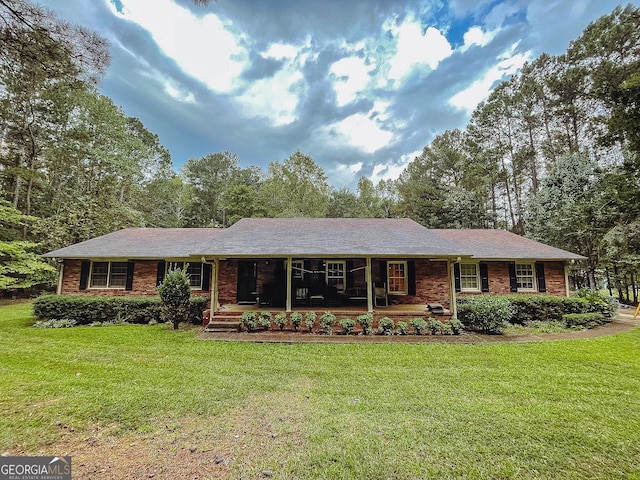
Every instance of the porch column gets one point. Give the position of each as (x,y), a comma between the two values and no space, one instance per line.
(369,286)
(60,277)
(566,279)
(289,270)
(214,285)
(452,288)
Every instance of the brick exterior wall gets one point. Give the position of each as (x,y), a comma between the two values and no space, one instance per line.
(144,281)
(499,279)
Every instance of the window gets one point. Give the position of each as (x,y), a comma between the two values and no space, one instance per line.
(397,277)
(194,272)
(297,269)
(525,276)
(469,277)
(335,273)
(108,274)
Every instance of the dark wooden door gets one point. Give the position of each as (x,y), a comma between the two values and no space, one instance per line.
(247,281)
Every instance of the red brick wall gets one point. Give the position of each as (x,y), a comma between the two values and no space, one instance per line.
(432,285)
(144,281)
(227,280)
(499,279)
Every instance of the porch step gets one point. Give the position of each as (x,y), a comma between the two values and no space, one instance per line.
(220,324)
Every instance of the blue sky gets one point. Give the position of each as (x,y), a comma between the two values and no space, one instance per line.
(360,86)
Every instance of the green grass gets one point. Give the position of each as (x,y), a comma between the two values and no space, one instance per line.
(562,409)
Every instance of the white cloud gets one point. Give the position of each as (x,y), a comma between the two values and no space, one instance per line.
(202,46)
(281,51)
(353,75)
(358,130)
(178,93)
(477,36)
(415,50)
(480,89)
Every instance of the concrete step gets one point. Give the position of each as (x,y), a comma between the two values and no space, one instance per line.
(218,325)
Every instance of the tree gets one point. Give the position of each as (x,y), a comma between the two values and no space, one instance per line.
(175,294)
(296,187)
(20,267)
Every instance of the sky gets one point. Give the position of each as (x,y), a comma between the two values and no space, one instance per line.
(362,86)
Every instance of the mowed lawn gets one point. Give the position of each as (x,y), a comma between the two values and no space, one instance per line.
(558,409)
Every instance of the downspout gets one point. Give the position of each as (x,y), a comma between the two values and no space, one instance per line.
(452,288)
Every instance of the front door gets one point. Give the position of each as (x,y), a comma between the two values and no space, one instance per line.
(247,281)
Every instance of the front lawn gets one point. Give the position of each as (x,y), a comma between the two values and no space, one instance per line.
(561,409)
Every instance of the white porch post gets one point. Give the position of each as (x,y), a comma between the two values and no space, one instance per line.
(214,285)
(452,287)
(369,286)
(566,280)
(60,277)
(289,270)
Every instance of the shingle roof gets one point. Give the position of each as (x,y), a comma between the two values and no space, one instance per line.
(140,243)
(329,237)
(503,245)
(309,237)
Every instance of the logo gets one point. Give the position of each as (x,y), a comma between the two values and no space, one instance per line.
(35,468)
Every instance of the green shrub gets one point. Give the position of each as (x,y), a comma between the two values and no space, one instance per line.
(435,326)
(326,321)
(248,321)
(583,320)
(62,323)
(87,310)
(281,320)
(486,313)
(419,325)
(456,325)
(386,326)
(347,325)
(600,303)
(296,320)
(366,321)
(175,293)
(310,320)
(402,328)
(264,320)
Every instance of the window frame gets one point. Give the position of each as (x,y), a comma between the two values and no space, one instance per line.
(297,269)
(463,276)
(405,277)
(519,276)
(342,278)
(173,264)
(108,280)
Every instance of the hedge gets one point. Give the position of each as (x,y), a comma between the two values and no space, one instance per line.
(583,320)
(85,310)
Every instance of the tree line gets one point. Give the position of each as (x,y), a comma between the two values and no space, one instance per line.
(552,154)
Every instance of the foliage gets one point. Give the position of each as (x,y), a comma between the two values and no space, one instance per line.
(327,319)
(598,302)
(86,310)
(248,321)
(175,293)
(264,319)
(366,322)
(63,323)
(280,320)
(583,320)
(457,327)
(296,320)
(347,325)
(419,324)
(402,328)
(386,326)
(529,308)
(310,320)
(486,313)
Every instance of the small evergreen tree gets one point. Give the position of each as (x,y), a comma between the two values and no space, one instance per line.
(175,293)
